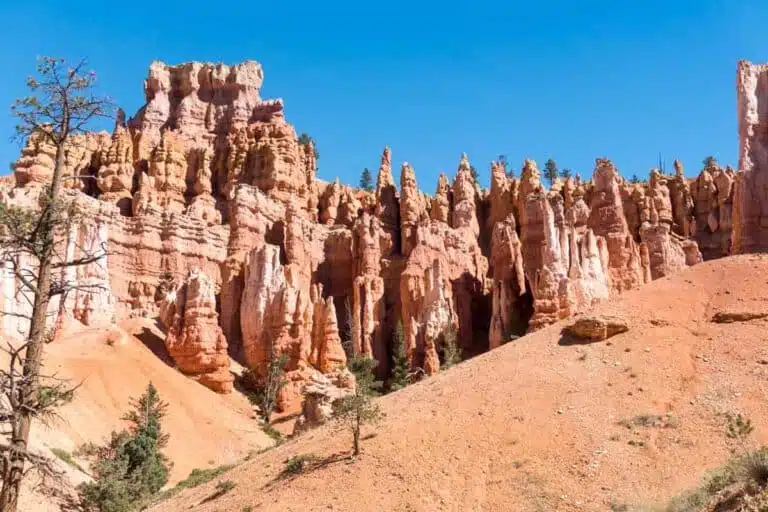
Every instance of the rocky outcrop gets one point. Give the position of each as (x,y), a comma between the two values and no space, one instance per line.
(607,220)
(750,201)
(194,339)
(209,176)
(594,328)
(320,394)
(368,289)
(508,274)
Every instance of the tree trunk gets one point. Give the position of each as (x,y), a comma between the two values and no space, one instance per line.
(356,437)
(33,356)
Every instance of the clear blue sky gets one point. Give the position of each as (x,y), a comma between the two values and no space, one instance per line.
(570,80)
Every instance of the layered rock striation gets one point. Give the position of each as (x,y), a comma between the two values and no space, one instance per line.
(208,185)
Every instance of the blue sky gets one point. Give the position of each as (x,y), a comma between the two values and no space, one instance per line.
(562,79)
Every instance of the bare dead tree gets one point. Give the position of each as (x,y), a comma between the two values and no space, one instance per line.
(61,104)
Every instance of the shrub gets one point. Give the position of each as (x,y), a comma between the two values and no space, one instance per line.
(298,463)
(266,396)
(224,487)
(201,476)
(357,409)
(272,432)
(66,457)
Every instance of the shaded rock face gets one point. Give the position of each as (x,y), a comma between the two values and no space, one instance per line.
(208,175)
(195,340)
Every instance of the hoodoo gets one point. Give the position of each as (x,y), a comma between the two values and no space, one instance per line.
(209,186)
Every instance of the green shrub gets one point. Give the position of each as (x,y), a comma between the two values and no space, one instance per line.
(272,432)
(298,464)
(358,408)
(66,457)
(202,476)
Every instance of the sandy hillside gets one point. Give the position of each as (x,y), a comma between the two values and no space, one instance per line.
(206,429)
(534,425)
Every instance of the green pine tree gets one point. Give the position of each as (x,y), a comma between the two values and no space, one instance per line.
(709,161)
(474,174)
(366,180)
(550,171)
(399,378)
(305,139)
(566,173)
(131,467)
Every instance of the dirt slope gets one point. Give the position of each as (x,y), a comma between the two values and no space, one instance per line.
(534,425)
(206,429)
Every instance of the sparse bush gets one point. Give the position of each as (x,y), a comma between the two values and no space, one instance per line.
(66,457)
(738,427)
(272,432)
(199,477)
(266,396)
(357,409)
(298,463)
(224,487)
(650,420)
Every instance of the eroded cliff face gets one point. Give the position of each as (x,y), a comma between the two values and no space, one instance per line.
(750,201)
(207,194)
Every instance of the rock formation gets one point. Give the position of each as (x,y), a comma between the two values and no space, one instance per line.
(195,340)
(208,185)
(750,201)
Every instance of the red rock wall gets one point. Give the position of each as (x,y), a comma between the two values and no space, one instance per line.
(209,176)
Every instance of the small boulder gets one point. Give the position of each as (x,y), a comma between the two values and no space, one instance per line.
(729,317)
(595,328)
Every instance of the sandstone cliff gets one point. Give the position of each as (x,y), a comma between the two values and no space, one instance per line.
(209,176)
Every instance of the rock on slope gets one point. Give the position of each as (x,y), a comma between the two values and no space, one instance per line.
(535,425)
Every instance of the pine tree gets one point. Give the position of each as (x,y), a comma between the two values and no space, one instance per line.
(305,139)
(709,161)
(399,378)
(61,104)
(366,180)
(550,171)
(358,409)
(566,173)
(131,467)
(635,179)
(474,174)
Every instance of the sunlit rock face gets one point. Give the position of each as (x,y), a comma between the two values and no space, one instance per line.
(213,219)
